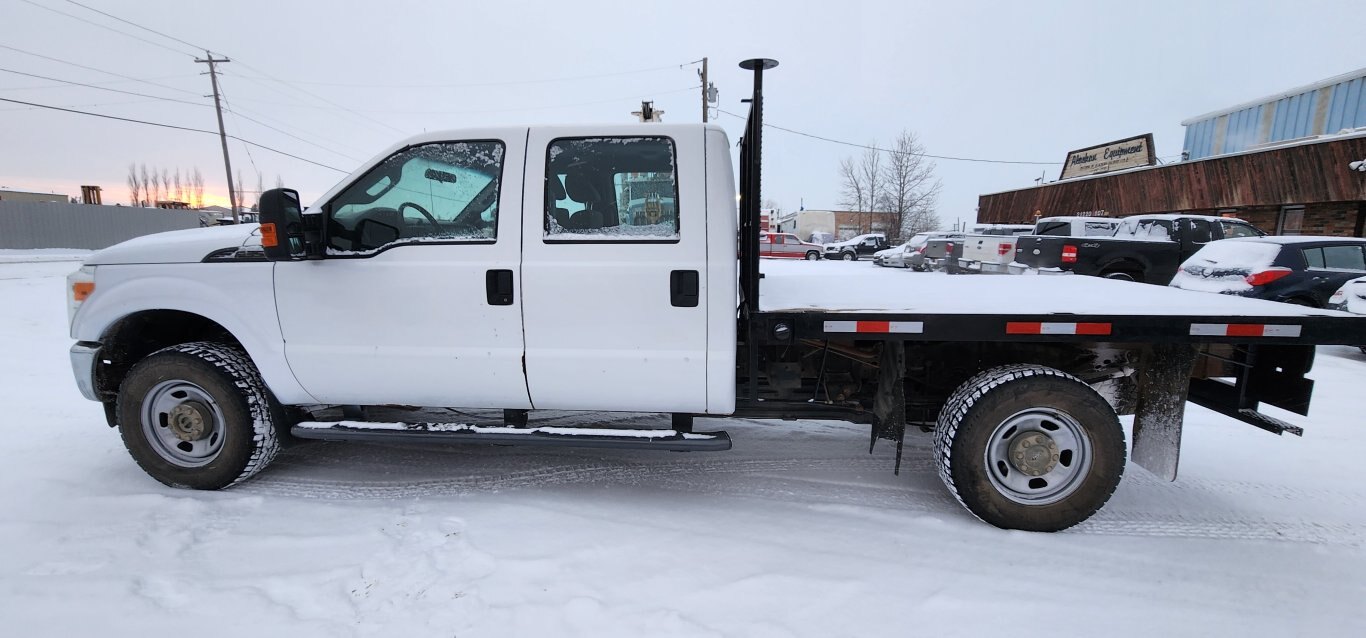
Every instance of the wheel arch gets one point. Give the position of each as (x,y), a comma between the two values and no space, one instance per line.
(134,313)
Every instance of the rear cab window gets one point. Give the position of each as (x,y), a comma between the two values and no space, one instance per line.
(1347,257)
(612,189)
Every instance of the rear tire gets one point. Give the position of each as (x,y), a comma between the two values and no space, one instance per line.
(198,415)
(812,255)
(1122,276)
(1029,447)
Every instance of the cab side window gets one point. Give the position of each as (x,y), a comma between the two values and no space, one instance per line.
(612,189)
(443,192)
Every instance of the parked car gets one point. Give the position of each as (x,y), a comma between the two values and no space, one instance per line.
(1076,226)
(1144,248)
(1351,297)
(892,257)
(856,248)
(787,245)
(1301,270)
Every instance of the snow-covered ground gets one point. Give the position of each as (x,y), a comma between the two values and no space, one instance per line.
(796,532)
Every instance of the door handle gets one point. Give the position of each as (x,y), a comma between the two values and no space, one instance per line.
(683,288)
(499,285)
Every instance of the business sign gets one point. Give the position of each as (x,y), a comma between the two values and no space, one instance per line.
(1119,155)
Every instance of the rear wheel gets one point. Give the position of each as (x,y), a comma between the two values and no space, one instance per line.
(812,255)
(197,415)
(1122,275)
(1029,447)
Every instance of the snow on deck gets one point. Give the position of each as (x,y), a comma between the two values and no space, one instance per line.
(863,287)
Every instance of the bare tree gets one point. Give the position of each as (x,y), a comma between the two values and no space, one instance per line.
(853,188)
(260,188)
(179,186)
(911,188)
(279,181)
(166,182)
(871,168)
(146,184)
(197,188)
(240,198)
(134,185)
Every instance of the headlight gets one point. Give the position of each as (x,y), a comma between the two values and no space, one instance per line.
(79,286)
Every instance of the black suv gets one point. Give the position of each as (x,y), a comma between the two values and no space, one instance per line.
(1301,270)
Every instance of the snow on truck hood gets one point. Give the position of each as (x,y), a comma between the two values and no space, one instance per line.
(175,247)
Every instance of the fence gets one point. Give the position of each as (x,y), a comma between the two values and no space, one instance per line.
(55,225)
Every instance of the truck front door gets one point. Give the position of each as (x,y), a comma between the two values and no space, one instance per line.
(615,292)
(416,301)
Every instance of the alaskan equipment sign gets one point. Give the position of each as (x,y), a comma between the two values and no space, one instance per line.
(1118,155)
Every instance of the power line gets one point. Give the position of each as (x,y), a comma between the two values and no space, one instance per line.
(102,88)
(171,126)
(639,95)
(72,106)
(480,84)
(134,24)
(315,96)
(91,68)
(107,28)
(231,108)
(886,150)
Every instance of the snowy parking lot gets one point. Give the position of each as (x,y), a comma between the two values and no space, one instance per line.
(797,531)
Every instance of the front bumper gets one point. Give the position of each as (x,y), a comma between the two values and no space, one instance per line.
(84,356)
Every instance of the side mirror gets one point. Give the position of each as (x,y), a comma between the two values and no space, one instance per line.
(282,225)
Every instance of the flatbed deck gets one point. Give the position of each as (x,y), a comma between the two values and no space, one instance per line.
(832,300)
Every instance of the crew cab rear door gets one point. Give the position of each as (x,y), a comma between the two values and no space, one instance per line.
(416,301)
(614,263)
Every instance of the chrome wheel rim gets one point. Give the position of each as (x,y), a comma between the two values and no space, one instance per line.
(1038,457)
(183,423)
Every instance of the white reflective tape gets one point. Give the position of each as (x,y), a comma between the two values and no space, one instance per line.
(1057,328)
(1280,331)
(876,327)
(1244,330)
(1209,329)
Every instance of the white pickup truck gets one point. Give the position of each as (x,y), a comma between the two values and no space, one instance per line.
(594,268)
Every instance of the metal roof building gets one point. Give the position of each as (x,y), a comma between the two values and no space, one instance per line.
(1323,108)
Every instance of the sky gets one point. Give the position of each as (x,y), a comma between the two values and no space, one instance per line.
(336,82)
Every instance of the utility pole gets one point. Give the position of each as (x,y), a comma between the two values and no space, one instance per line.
(222,134)
(703,74)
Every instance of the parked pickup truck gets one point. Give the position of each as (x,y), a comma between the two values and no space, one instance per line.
(498,268)
(863,246)
(991,249)
(1144,248)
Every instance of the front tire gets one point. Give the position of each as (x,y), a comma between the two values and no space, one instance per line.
(849,256)
(1029,447)
(198,415)
(812,255)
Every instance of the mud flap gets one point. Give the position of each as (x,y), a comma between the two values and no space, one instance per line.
(889,406)
(1163,383)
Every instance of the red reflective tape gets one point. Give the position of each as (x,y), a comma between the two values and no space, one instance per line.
(1024,328)
(1245,329)
(1093,328)
(874,326)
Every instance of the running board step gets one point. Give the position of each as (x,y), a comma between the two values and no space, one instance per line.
(669,440)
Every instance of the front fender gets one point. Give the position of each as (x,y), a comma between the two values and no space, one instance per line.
(238,296)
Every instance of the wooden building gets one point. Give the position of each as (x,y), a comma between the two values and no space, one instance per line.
(1289,163)
(1305,188)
